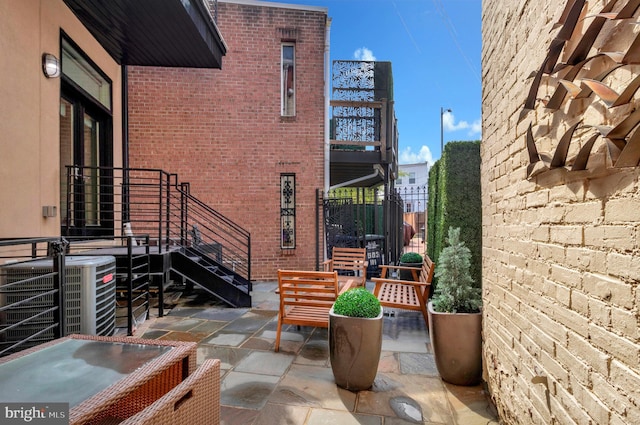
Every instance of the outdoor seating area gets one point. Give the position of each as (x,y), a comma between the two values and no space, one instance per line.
(295,385)
(206,363)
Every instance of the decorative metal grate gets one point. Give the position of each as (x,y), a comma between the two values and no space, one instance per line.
(353,80)
(355,115)
(288,211)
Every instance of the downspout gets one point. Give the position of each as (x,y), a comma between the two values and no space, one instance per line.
(125,144)
(327,129)
(376,173)
(327,106)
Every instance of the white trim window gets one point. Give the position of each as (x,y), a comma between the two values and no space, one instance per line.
(288,79)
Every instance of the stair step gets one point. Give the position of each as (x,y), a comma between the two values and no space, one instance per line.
(235,292)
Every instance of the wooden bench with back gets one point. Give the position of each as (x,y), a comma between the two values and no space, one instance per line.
(306,298)
(350,263)
(405,294)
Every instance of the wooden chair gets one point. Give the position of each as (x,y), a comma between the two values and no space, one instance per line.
(405,294)
(350,263)
(306,298)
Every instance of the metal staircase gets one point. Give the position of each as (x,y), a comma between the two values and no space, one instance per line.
(190,238)
(218,280)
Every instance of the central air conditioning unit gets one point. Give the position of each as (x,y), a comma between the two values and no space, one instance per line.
(89,290)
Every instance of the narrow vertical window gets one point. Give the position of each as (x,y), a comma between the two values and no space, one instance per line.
(288,80)
(288,211)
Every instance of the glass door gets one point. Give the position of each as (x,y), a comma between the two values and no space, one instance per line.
(86,146)
(85,196)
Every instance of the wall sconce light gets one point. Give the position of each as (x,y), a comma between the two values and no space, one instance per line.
(50,65)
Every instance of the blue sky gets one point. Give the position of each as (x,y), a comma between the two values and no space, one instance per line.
(434,47)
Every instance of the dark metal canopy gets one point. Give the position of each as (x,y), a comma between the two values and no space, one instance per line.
(168,33)
(356,169)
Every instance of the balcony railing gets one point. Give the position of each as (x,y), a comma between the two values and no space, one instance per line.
(362,113)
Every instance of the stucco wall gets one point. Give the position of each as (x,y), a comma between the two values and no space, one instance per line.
(221,130)
(30,111)
(561,250)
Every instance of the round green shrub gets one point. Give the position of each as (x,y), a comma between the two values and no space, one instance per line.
(357,302)
(411,257)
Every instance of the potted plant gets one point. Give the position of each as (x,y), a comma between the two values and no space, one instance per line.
(455,317)
(410,259)
(355,339)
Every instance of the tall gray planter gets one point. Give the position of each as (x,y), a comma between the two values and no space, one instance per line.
(457,345)
(355,345)
(407,274)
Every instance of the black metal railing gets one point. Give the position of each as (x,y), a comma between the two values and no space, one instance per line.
(31,297)
(107,201)
(207,231)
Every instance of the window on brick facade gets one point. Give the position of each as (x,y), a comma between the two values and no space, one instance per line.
(287,211)
(288,103)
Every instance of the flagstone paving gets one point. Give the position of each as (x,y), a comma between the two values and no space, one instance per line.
(296,386)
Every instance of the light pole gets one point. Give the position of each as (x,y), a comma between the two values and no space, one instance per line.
(442,111)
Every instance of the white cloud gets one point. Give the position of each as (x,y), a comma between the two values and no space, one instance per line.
(363,54)
(476,127)
(449,124)
(407,156)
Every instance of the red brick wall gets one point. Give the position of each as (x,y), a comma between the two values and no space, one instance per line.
(221,130)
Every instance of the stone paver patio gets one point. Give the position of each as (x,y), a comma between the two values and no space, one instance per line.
(295,386)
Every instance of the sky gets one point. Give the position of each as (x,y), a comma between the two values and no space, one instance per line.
(434,47)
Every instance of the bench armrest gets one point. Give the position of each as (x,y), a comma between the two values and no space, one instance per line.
(351,283)
(327,265)
(379,281)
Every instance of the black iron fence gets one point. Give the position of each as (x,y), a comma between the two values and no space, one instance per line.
(362,217)
(414,200)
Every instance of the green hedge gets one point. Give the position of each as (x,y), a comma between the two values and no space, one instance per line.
(454,201)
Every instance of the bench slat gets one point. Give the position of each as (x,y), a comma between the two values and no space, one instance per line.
(352,261)
(405,294)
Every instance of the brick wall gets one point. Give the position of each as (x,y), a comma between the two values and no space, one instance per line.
(221,130)
(561,250)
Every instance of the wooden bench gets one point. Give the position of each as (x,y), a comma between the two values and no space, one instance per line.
(350,263)
(306,298)
(405,294)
